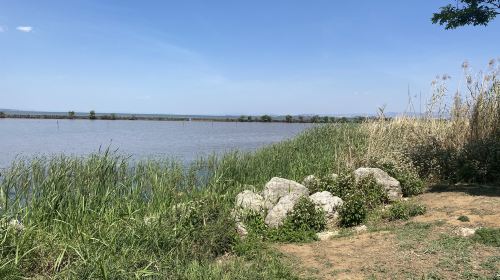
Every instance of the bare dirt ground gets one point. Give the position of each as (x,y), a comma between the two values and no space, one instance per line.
(425,247)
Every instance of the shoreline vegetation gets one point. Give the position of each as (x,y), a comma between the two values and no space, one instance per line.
(101,217)
(245,118)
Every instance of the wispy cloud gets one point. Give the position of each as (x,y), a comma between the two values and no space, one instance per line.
(25,28)
(3,29)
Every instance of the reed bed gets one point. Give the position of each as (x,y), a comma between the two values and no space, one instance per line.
(456,139)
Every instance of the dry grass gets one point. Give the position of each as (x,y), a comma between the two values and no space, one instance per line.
(452,126)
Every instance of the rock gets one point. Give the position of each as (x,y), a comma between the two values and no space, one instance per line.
(466,232)
(391,185)
(360,229)
(326,201)
(241,229)
(248,200)
(326,235)
(278,213)
(15,224)
(277,188)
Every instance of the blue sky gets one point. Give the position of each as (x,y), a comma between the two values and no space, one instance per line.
(229,57)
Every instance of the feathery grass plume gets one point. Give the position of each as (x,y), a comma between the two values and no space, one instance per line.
(457,138)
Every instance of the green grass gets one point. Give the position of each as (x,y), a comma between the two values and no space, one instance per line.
(102,217)
(404,210)
(488,236)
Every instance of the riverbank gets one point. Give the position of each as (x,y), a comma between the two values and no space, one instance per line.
(102,217)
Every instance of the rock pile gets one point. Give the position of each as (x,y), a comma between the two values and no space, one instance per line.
(280,195)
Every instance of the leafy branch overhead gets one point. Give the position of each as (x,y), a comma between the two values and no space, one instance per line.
(467,12)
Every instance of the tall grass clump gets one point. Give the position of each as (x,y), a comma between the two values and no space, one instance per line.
(456,139)
(99,217)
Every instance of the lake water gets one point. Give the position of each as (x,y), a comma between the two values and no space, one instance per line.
(185,141)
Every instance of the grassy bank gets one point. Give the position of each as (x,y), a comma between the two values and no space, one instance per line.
(100,217)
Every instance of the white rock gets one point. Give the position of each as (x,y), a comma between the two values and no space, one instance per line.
(326,201)
(326,235)
(248,200)
(466,232)
(278,213)
(277,188)
(360,229)
(241,229)
(15,224)
(391,185)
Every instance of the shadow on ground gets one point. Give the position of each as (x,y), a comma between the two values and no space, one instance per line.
(471,189)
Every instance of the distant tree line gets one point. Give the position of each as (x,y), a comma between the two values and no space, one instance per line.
(302,119)
(92,115)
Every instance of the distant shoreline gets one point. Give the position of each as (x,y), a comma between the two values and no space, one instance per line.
(263,119)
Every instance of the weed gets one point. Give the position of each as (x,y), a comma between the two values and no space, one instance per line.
(463,219)
(488,236)
(403,210)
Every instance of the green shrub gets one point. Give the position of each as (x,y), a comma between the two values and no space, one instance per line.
(288,233)
(305,216)
(463,218)
(254,223)
(479,161)
(300,225)
(373,193)
(411,184)
(354,211)
(403,210)
(488,236)
(317,185)
(343,186)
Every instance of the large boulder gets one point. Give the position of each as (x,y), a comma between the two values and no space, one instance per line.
(326,201)
(248,200)
(277,188)
(391,185)
(285,205)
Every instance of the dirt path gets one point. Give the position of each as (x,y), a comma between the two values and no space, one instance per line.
(426,247)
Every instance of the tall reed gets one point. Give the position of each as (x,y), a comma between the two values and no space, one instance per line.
(457,138)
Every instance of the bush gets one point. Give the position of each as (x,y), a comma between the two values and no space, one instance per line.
(373,193)
(300,225)
(463,218)
(403,210)
(353,211)
(488,236)
(316,185)
(305,216)
(411,184)
(288,233)
(479,161)
(343,186)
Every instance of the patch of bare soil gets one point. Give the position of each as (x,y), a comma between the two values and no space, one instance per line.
(424,247)
(483,211)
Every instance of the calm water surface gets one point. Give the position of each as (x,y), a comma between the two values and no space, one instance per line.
(140,139)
